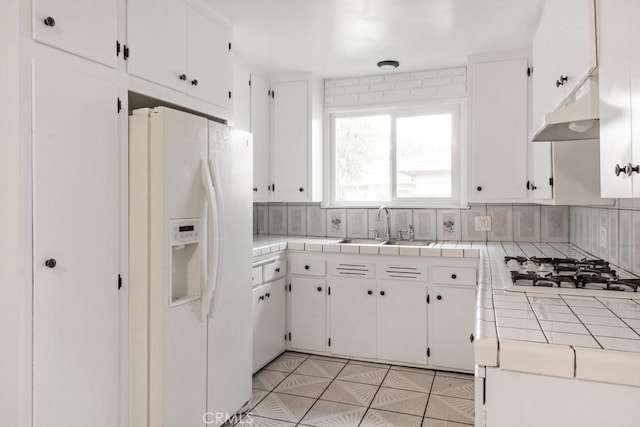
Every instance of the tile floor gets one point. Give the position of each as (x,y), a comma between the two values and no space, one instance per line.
(307,390)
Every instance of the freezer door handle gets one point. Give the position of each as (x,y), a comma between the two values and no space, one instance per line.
(210,181)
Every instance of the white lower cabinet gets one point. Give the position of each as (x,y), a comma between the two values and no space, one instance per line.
(269,309)
(451,319)
(352,314)
(402,322)
(307,314)
(423,320)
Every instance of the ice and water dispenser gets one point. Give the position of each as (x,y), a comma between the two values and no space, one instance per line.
(185,260)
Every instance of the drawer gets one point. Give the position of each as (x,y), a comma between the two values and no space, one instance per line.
(397,271)
(341,269)
(256,275)
(274,270)
(308,267)
(454,275)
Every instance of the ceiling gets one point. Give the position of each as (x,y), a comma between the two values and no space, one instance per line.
(339,38)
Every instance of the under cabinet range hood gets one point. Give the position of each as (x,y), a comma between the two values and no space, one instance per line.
(577,119)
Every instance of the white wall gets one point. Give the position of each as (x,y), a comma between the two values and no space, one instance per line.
(13,274)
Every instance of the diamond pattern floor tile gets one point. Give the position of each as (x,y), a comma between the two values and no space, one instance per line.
(320,368)
(430,422)
(404,401)
(287,362)
(267,380)
(333,414)
(363,374)
(256,397)
(408,381)
(454,387)
(350,392)
(303,385)
(377,418)
(451,409)
(284,407)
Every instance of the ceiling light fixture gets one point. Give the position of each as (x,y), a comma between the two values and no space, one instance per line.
(388,65)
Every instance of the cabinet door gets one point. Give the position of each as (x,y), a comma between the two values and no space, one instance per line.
(209,64)
(156,34)
(564,45)
(242,99)
(268,322)
(635,90)
(290,142)
(260,128)
(308,304)
(542,170)
(402,322)
(451,319)
(615,97)
(353,318)
(75,222)
(499,130)
(87,28)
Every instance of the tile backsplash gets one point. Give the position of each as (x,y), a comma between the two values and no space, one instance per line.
(522,223)
(611,233)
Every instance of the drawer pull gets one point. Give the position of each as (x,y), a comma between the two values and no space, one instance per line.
(49,21)
(369,292)
(454,276)
(319,288)
(278,270)
(306,267)
(439,297)
(267,295)
(382,293)
(261,298)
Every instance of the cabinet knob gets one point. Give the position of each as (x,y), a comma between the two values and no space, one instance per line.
(439,297)
(278,270)
(454,276)
(301,189)
(472,338)
(261,298)
(306,267)
(51,263)
(479,188)
(561,81)
(267,295)
(49,21)
(369,292)
(382,293)
(620,169)
(630,169)
(319,288)
(182,77)
(194,82)
(255,189)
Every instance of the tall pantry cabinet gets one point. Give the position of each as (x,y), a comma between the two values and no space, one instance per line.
(73,93)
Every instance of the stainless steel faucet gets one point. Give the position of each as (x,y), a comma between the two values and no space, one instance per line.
(387,222)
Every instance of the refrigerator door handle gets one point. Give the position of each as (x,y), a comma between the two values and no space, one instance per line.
(214,252)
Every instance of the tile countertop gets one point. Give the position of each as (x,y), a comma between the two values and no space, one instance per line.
(583,337)
(266,244)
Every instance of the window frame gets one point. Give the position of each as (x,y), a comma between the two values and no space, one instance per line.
(457,110)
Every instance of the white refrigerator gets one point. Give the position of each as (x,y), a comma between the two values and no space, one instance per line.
(190,222)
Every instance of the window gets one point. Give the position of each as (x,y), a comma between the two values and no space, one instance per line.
(404,156)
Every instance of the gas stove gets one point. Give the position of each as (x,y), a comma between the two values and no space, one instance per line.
(588,277)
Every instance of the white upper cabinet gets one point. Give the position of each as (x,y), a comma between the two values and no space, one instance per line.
(564,53)
(182,48)
(209,63)
(619,98)
(296,160)
(260,101)
(498,131)
(87,28)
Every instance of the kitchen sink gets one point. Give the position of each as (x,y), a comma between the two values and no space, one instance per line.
(406,243)
(359,242)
